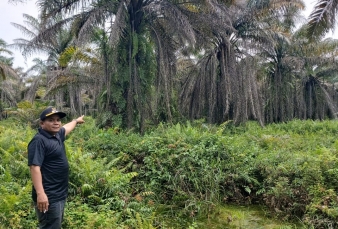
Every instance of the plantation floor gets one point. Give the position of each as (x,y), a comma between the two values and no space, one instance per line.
(238,217)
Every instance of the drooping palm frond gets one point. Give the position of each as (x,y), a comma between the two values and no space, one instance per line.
(198,90)
(3,48)
(32,23)
(10,89)
(51,8)
(322,19)
(49,37)
(30,94)
(7,71)
(119,24)
(30,28)
(85,23)
(315,77)
(63,78)
(173,17)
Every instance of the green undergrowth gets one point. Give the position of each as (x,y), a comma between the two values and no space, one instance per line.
(190,175)
(244,217)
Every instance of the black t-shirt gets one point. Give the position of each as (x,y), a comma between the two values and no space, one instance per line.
(48,152)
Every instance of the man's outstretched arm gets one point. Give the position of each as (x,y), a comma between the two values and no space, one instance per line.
(71,125)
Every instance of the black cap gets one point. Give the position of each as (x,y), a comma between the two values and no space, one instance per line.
(51,111)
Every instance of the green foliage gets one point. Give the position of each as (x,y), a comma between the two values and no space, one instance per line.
(100,194)
(16,209)
(132,75)
(80,215)
(234,217)
(322,212)
(26,112)
(75,54)
(178,176)
(107,119)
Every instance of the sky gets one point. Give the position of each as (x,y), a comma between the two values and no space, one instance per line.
(10,12)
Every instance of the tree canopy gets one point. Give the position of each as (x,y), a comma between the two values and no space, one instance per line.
(135,64)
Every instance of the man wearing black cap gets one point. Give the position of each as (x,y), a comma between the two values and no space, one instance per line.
(49,167)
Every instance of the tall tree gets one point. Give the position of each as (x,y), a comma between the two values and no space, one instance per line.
(137,29)
(316,74)
(35,77)
(53,46)
(225,82)
(10,82)
(278,20)
(6,63)
(295,71)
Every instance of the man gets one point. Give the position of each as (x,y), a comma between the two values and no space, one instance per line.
(49,167)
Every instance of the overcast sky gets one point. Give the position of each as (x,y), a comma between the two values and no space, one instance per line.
(10,12)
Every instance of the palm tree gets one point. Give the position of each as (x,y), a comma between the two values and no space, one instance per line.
(35,78)
(138,44)
(54,46)
(225,81)
(296,81)
(137,29)
(80,67)
(317,75)
(10,82)
(278,20)
(6,63)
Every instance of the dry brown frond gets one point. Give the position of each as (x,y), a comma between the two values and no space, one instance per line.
(118,25)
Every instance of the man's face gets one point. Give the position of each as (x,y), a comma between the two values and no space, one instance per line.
(51,124)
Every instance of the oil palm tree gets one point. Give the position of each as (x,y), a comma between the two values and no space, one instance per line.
(225,81)
(297,78)
(54,47)
(6,63)
(10,82)
(144,36)
(278,19)
(317,75)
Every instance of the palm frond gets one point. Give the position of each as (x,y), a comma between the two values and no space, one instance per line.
(3,47)
(173,17)
(66,77)
(8,72)
(118,25)
(10,90)
(31,93)
(52,9)
(322,19)
(26,31)
(86,21)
